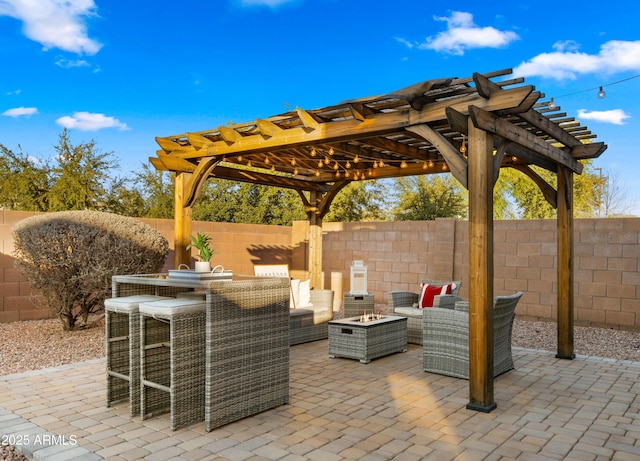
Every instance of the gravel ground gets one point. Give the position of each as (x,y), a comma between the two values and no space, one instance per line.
(33,345)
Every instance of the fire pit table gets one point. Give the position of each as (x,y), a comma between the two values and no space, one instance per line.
(367,337)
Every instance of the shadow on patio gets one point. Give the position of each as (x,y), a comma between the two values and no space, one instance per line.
(584,409)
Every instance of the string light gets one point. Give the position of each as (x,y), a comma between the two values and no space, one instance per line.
(601,92)
(313,151)
(463,147)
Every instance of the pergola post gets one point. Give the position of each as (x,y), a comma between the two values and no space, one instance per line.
(480,182)
(182,221)
(565,264)
(315,244)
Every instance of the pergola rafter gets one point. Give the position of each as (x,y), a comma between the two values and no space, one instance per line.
(470,127)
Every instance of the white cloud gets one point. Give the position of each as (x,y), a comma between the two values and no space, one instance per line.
(269,3)
(87,121)
(566,62)
(55,23)
(615,116)
(463,34)
(68,63)
(20,112)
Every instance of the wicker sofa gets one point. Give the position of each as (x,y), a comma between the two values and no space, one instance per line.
(403,303)
(310,322)
(445,347)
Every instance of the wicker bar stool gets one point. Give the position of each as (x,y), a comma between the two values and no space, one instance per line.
(122,344)
(172,360)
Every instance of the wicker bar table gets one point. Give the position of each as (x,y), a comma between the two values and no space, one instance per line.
(368,340)
(247,339)
(247,364)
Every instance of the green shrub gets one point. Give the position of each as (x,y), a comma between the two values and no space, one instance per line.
(70,257)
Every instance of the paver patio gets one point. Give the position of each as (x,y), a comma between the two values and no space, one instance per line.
(585,409)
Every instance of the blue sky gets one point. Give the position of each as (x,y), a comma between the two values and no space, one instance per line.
(122,73)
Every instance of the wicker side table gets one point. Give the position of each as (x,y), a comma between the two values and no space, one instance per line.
(366,341)
(355,305)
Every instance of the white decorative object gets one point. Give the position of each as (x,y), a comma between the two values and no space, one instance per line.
(358,278)
(203,266)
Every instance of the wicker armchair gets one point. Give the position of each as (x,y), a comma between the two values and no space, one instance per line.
(446,338)
(402,303)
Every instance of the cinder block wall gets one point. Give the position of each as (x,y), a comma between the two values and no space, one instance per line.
(399,254)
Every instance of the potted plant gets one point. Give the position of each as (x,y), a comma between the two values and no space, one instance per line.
(201,243)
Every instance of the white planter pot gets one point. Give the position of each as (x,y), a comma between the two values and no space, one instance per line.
(203,266)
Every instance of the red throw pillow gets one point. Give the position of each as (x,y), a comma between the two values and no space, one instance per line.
(428,292)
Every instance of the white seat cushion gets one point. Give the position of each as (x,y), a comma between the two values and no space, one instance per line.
(409,311)
(129,304)
(172,306)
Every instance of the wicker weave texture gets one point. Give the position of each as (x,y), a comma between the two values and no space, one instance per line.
(446,338)
(123,359)
(247,344)
(408,299)
(172,367)
(303,328)
(366,342)
(355,305)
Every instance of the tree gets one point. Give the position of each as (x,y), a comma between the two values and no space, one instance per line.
(359,201)
(612,196)
(77,182)
(429,197)
(25,181)
(157,190)
(530,201)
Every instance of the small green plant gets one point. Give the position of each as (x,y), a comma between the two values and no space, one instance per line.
(201,243)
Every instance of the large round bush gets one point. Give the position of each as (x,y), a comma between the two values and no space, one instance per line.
(70,257)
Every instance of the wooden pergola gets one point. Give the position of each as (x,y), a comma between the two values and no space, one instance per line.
(470,127)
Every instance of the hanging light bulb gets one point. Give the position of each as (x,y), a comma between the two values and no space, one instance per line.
(320,164)
(430,163)
(375,164)
(249,163)
(444,167)
(356,159)
(463,147)
(326,160)
(266,160)
(313,151)
(403,164)
(330,150)
(380,163)
(336,166)
(348,165)
(601,94)
(370,172)
(552,105)
(295,171)
(337,173)
(273,168)
(424,165)
(317,173)
(293,162)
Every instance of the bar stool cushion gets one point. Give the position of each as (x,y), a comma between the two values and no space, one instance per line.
(167,308)
(129,304)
